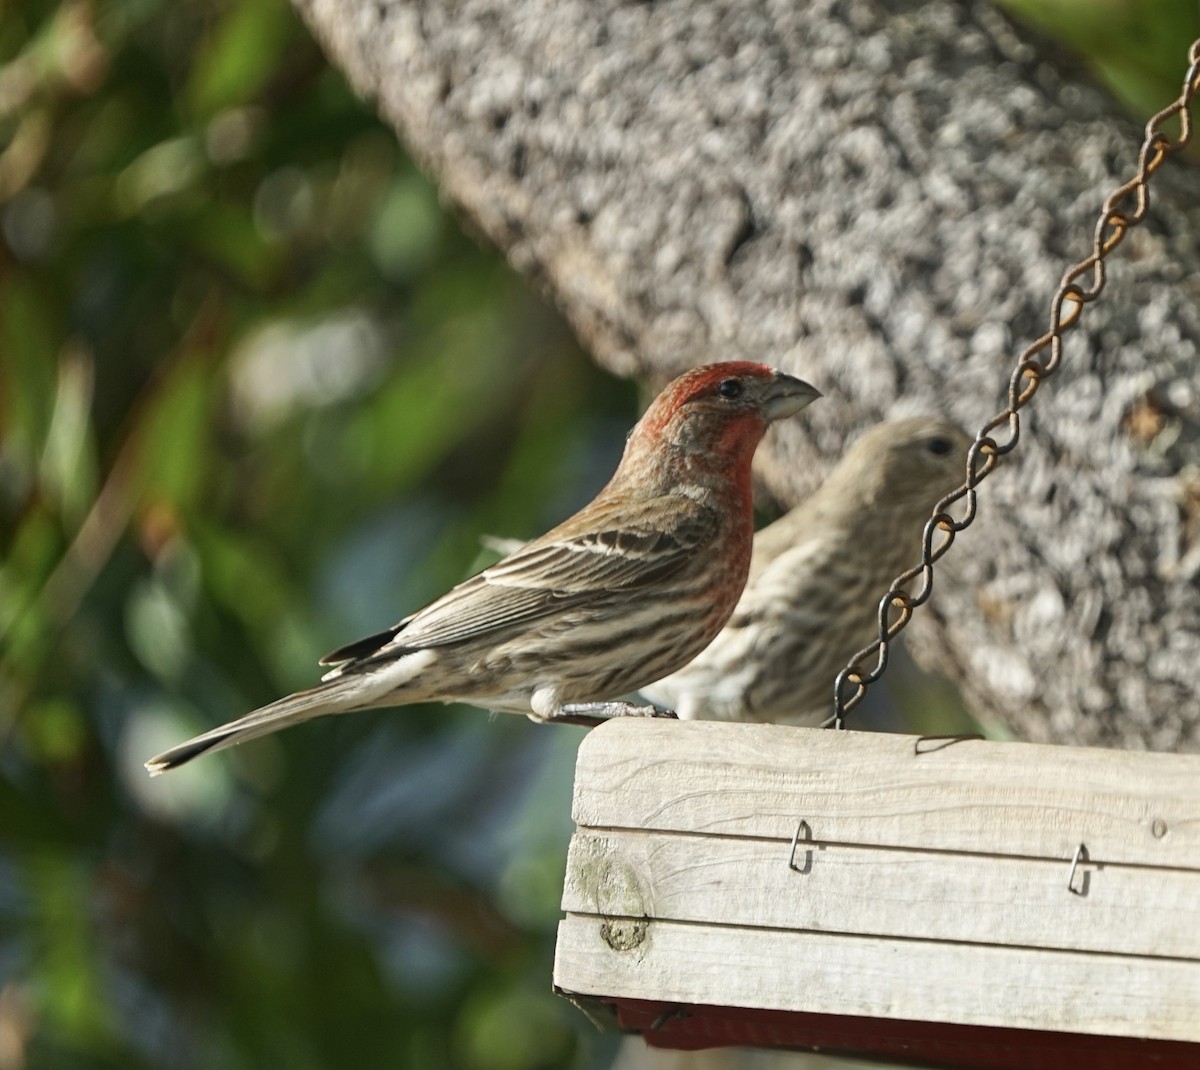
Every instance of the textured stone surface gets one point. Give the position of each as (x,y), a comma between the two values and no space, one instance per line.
(881,196)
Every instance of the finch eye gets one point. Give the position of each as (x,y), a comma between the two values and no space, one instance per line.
(731,388)
(939,447)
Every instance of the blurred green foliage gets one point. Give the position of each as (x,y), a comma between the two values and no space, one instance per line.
(258,396)
(1138,48)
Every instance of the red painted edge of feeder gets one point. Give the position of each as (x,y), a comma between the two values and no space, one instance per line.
(934,1044)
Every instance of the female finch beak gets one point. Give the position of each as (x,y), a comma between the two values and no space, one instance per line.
(787,395)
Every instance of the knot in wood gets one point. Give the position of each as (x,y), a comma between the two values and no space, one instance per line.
(623,934)
(609,881)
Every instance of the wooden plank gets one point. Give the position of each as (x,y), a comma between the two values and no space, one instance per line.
(898,893)
(909,980)
(889,790)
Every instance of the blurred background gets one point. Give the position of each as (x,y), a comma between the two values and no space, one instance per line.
(261,395)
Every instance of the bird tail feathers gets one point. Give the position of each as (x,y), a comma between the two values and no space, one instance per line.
(302,706)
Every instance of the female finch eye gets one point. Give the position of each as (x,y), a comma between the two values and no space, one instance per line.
(731,388)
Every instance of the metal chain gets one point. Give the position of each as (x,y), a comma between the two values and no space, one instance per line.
(896,607)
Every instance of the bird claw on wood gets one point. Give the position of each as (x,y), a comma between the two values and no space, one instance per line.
(591,714)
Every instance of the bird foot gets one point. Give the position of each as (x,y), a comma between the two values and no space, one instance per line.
(591,714)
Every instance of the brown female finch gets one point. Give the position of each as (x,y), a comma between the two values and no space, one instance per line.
(630,588)
(816,578)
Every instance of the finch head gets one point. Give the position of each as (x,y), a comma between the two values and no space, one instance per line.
(710,420)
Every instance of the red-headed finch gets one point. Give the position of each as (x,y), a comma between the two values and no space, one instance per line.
(630,588)
(816,578)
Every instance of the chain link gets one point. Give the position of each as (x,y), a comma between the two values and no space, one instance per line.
(1124,208)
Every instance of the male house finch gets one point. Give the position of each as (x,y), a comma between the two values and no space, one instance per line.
(816,578)
(630,588)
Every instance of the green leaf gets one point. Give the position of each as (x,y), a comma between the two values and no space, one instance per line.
(68,462)
(69,988)
(239,57)
(227,234)
(173,441)
(408,230)
(27,386)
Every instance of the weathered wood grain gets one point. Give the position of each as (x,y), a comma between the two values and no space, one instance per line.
(915,980)
(1016,902)
(1015,799)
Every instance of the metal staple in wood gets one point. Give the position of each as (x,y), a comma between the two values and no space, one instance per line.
(1124,208)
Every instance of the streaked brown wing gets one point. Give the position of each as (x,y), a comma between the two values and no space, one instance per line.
(629,550)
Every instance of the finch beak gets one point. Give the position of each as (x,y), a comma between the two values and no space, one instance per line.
(786,396)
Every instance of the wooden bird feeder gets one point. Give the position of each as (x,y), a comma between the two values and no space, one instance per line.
(947,902)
